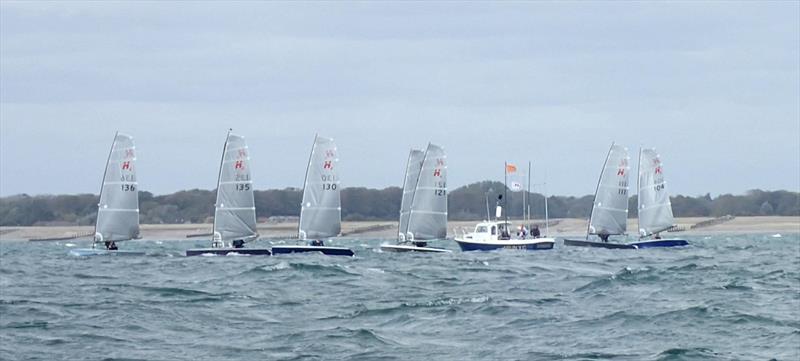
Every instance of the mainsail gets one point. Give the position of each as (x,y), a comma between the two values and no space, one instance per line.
(413,167)
(428,210)
(610,208)
(321,212)
(234,211)
(655,209)
(118,210)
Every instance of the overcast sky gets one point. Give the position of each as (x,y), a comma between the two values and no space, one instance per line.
(715,87)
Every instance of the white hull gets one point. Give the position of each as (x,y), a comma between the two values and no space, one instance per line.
(85,252)
(409,248)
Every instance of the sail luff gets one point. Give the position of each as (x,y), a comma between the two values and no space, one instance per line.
(219,180)
(103,183)
(413,167)
(300,234)
(594,199)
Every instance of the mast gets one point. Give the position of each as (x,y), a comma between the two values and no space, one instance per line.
(305,183)
(219,179)
(594,200)
(505,192)
(102,183)
(527,205)
(402,196)
(639,193)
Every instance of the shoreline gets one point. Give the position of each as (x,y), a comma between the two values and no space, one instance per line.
(388,229)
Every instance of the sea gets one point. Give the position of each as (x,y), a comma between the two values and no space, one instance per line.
(724,297)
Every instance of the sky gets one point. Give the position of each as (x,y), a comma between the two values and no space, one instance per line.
(713,86)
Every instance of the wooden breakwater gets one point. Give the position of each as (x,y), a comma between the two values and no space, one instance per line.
(62,238)
(712,222)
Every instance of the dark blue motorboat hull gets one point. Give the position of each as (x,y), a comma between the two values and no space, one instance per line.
(226,251)
(656,243)
(330,251)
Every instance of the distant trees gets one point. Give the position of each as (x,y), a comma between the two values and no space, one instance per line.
(464,203)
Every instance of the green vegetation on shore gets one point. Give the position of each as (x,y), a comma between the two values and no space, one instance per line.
(465,203)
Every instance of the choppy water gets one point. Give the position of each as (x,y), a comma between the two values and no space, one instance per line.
(723,298)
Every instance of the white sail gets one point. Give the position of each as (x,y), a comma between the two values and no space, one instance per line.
(234,211)
(428,211)
(118,210)
(321,211)
(413,168)
(655,209)
(610,208)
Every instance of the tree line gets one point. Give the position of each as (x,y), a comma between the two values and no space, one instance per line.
(358,204)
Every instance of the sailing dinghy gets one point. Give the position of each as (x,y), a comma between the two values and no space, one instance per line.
(423,208)
(234,211)
(610,208)
(655,209)
(321,211)
(118,209)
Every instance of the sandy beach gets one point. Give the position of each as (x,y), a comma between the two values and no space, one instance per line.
(388,229)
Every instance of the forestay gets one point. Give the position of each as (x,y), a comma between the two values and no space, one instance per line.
(610,208)
(320,212)
(655,209)
(428,210)
(118,210)
(415,158)
(234,211)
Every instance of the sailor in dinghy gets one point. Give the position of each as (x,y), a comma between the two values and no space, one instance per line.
(234,210)
(423,207)
(118,209)
(320,211)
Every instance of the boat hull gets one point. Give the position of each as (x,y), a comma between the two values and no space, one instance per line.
(536,244)
(656,243)
(87,252)
(330,251)
(410,248)
(228,250)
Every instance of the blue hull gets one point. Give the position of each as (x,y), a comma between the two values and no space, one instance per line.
(471,246)
(330,251)
(661,243)
(656,243)
(226,251)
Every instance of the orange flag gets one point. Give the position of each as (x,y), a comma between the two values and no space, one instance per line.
(510,168)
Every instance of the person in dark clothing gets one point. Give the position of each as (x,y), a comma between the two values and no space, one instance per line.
(603,237)
(317,243)
(420,244)
(238,243)
(535,233)
(111,246)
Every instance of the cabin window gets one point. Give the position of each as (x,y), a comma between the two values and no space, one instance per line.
(481,229)
(494,230)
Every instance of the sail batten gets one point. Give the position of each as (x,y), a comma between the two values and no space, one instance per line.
(610,208)
(320,211)
(427,216)
(655,209)
(118,209)
(234,210)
